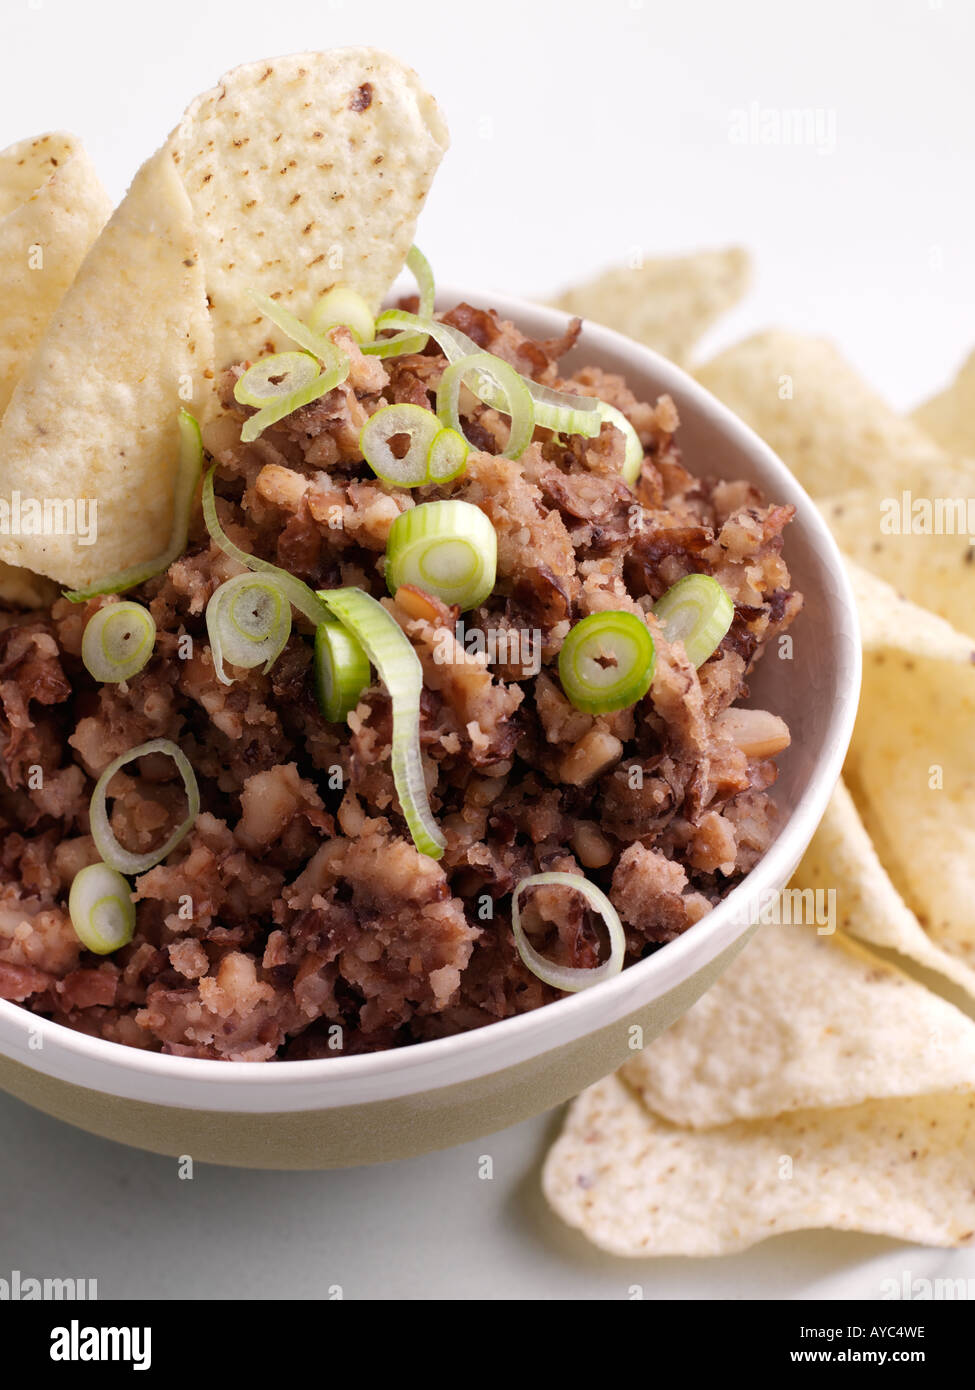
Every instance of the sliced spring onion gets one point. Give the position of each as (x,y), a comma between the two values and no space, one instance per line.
(273,377)
(448,549)
(283,383)
(435,455)
(101,831)
(298,593)
(317,343)
(554,410)
(248,621)
(492,377)
(422,272)
(564,412)
(607,662)
(187,481)
(447,458)
(402,343)
(342,669)
(118,641)
(389,650)
(564,976)
(695,611)
(101,909)
(342,306)
(422,427)
(633,457)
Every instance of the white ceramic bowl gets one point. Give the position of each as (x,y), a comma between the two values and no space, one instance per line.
(349,1110)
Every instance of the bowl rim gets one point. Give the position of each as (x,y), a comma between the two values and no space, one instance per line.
(585,1009)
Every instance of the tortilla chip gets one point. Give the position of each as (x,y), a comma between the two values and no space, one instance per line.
(52,208)
(666,303)
(950,417)
(20,588)
(290,177)
(887,619)
(911,771)
(803,1021)
(842,856)
(818,414)
(637,1186)
(95,414)
(305,172)
(935,570)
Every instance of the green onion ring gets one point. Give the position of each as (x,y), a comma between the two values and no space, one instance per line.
(448,549)
(447,458)
(187,480)
(564,976)
(298,593)
(402,343)
(318,344)
(101,909)
(422,426)
(607,662)
(390,651)
(300,384)
(342,307)
(118,641)
(633,455)
(108,847)
(248,621)
(554,410)
(258,386)
(698,612)
(422,272)
(342,670)
(501,380)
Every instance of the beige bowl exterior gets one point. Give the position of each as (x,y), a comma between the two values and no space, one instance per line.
(373,1132)
(346,1111)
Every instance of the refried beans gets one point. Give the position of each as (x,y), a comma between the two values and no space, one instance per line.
(297,919)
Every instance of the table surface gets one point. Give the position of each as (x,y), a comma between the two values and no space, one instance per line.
(582,130)
(425,1228)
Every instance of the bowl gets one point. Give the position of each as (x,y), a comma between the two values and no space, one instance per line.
(388,1105)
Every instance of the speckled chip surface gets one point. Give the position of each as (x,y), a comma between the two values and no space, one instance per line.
(305,172)
(291,176)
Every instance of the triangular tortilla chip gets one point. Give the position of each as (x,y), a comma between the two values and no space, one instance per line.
(52,207)
(911,771)
(930,564)
(293,175)
(803,1021)
(842,856)
(668,303)
(94,417)
(950,416)
(887,619)
(903,856)
(817,413)
(305,172)
(637,1186)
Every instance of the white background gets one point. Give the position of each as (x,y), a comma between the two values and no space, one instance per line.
(581,131)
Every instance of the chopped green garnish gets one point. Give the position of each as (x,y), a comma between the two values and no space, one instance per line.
(342,669)
(448,549)
(695,611)
(118,641)
(101,909)
(249,622)
(607,662)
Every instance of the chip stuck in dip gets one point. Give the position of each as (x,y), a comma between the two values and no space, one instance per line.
(397,692)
